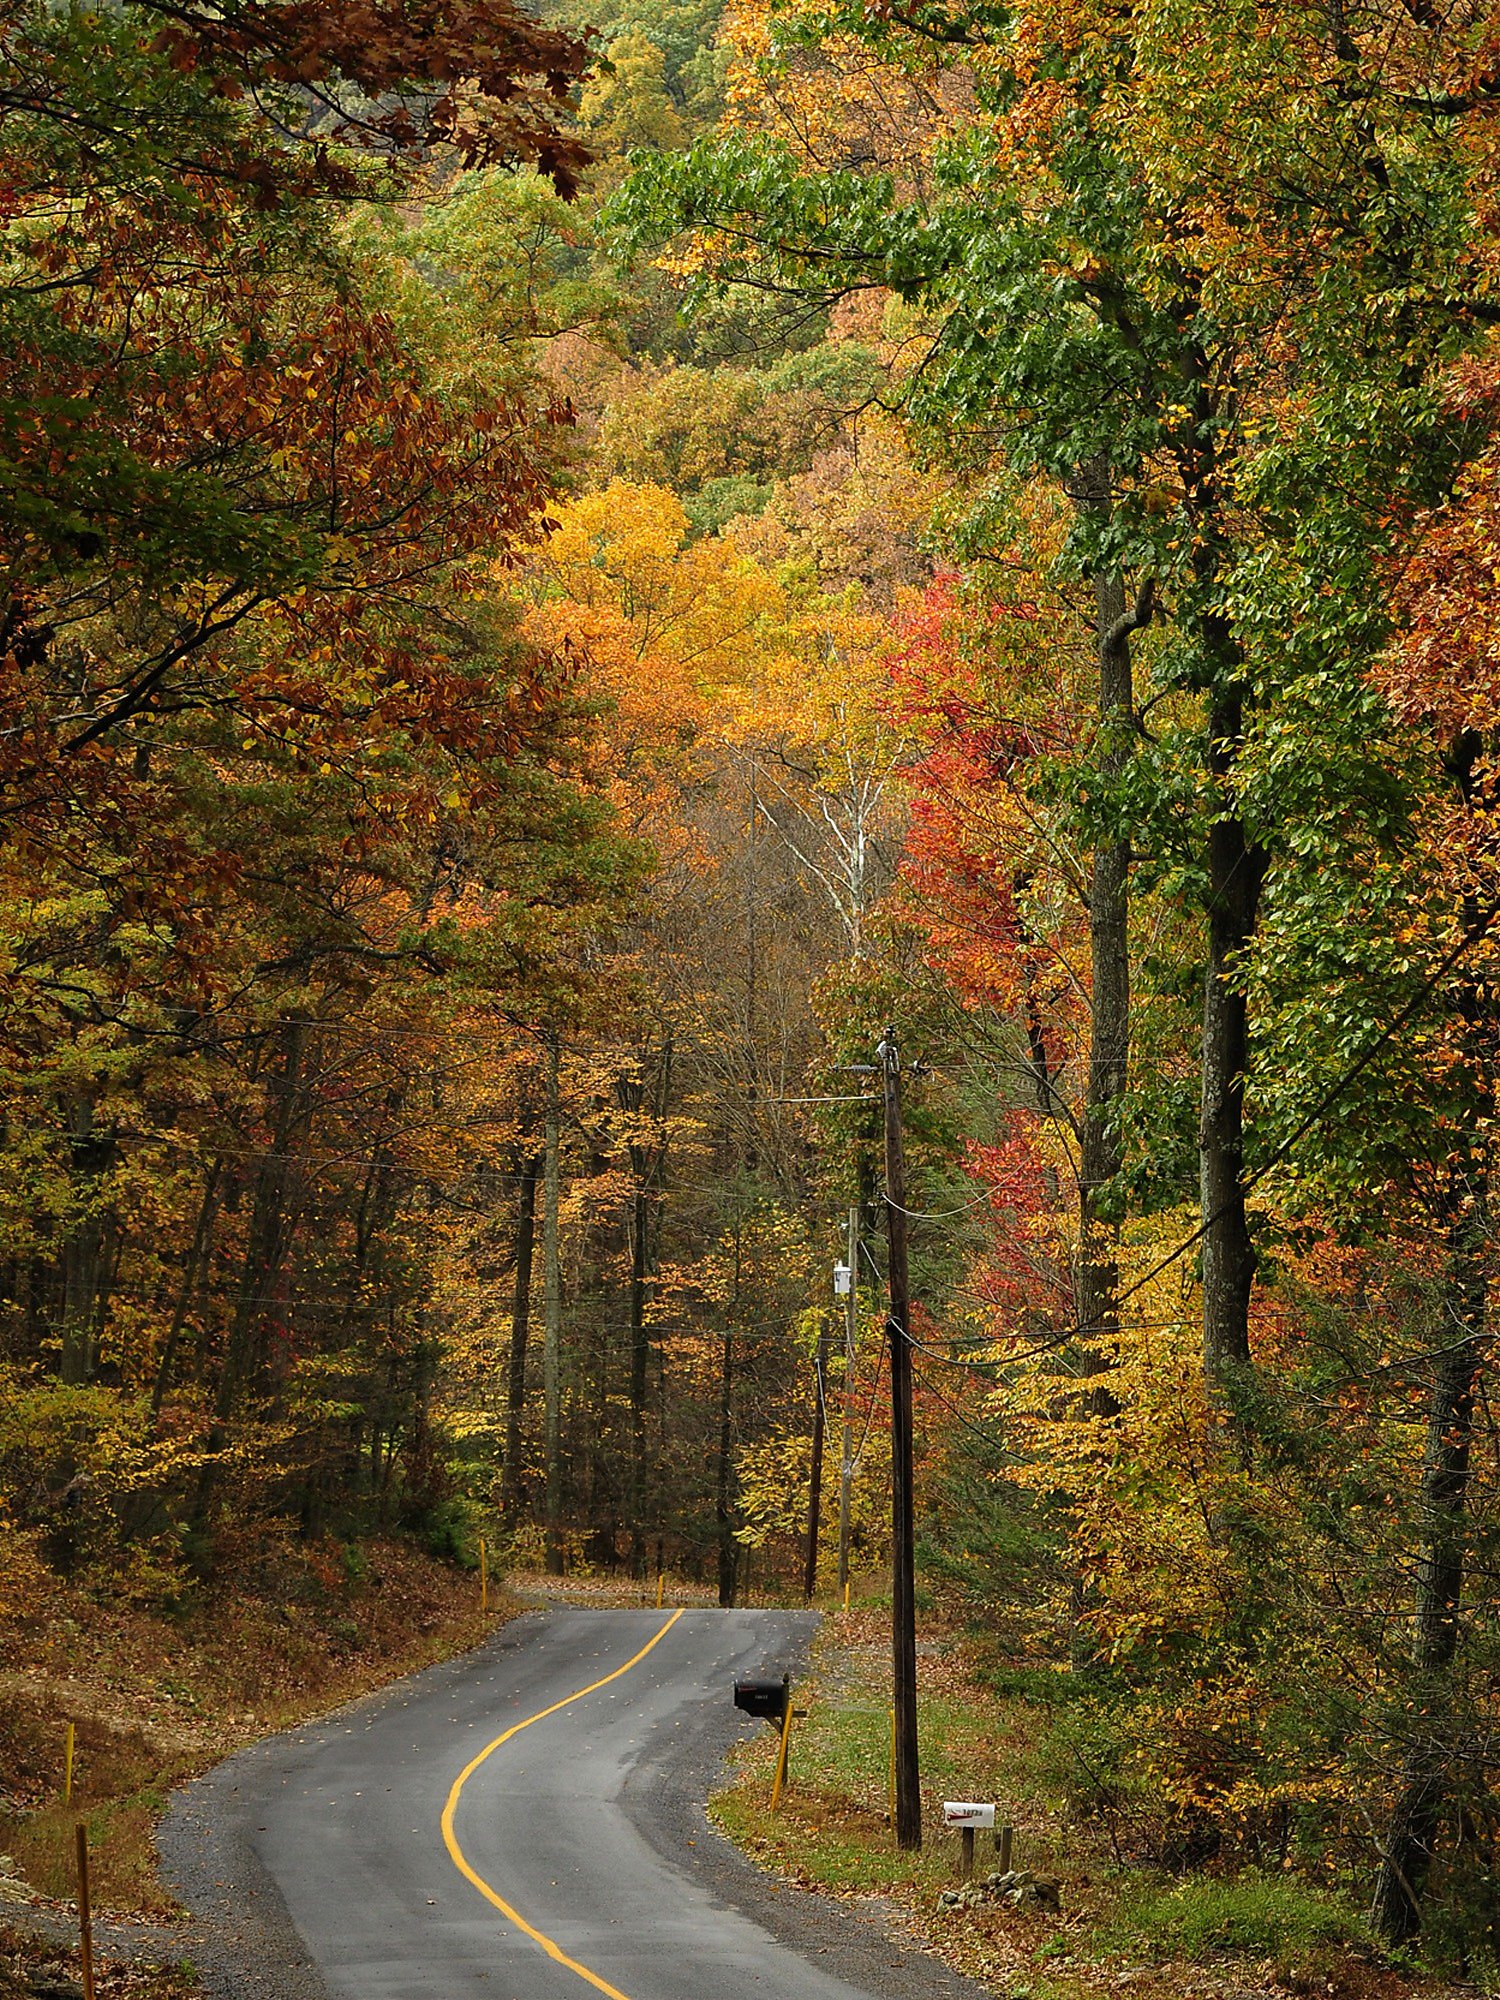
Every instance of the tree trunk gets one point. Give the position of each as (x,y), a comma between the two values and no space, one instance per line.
(266,1245)
(552,1307)
(1236,867)
(1421,1788)
(851,1340)
(646,1164)
(520,1327)
(92,1153)
(815,1487)
(640,1354)
(199,1251)
(728,1551)
(1100,1153)
(269,1234)
(723,1485)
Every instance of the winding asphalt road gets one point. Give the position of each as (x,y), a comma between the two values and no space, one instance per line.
(522,1824)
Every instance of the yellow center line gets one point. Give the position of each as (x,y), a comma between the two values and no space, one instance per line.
(460,1859)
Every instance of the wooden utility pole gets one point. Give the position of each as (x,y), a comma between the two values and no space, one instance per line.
(815,1492)
(903,1520)
(851,1334)
(552,1304)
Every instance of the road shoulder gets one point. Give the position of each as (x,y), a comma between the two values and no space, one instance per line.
(868,1946)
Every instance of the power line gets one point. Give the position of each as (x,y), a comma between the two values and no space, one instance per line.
(1465,944)
(953,1360)
(858,1451)
(941,1214)
(1470,937)
(978,1429)
(1009,1356)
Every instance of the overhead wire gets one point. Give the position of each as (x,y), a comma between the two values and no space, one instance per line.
(1007,1355)
(858,1451)
(989,1437)
(1472,935)
(940,1214)
(951,1360)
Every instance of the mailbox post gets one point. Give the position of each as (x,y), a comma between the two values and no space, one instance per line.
(966,1815)
(770,1701)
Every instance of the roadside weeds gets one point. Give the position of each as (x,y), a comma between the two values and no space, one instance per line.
(1118,1930)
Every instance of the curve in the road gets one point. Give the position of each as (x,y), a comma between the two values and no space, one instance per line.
(460,1859)
(318,1864)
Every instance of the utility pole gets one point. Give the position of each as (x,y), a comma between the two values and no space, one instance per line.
(903,1520)
(851,1334)
(552,1305)
(815,1492)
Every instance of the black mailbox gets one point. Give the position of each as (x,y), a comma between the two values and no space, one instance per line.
(765,1699)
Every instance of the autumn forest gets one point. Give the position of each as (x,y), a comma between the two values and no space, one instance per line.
(566,580)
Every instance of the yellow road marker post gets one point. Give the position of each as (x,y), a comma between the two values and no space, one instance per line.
(484,1577)
(460,1859)
(660,1581)
(68,1765)
(85,1915)
(786,1736)
(846,1597)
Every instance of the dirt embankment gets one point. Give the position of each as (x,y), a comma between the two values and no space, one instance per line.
(159,1691)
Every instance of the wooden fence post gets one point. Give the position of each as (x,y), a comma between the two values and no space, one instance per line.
(85,1918)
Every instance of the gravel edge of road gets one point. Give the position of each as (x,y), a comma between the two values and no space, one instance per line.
(238,1933)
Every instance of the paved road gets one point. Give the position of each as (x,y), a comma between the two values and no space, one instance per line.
(379,1855)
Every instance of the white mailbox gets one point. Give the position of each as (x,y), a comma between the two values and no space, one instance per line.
(966,1812)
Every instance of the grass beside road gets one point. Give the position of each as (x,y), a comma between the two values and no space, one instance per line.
(1120,1930)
